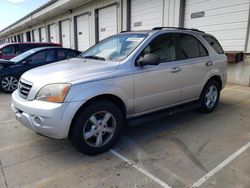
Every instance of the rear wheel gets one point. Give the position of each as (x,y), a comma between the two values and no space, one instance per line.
(96,127)
(9,84)
(209,97)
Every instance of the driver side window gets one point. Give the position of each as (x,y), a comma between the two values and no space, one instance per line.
(163,46)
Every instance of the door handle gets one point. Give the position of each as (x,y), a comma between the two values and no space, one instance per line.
(175,69)
(209,63)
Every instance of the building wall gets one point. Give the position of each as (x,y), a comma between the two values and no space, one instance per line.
(227,20)
(171,17)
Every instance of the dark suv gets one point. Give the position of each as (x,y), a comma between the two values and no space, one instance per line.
(10,50)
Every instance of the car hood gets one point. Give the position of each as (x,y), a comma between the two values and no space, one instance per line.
(6,62)
(69,71)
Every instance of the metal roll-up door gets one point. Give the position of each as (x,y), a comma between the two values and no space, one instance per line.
(43,34)
(226,20)
(82,32)
(107,22)
(35,35)
(146,14)
(65,33)
(52,33)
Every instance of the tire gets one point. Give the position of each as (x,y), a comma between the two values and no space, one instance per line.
(96,127)
(8,84)
(209,97)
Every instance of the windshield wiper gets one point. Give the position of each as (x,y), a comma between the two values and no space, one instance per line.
(95,57)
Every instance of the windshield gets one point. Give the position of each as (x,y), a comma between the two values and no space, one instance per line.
(22,56)
(115,48)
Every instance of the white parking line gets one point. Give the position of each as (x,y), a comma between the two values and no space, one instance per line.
(220,166)
(146,173)
(7,121)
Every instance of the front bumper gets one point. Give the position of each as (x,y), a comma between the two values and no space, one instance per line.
(49,119)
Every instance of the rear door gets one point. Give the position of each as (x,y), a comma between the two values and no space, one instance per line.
(195,59)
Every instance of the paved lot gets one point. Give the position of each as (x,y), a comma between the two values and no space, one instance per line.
(159,151)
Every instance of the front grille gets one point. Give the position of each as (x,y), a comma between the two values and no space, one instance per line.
(24,88)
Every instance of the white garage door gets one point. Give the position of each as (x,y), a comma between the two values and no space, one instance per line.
(35,35)
(82,23)
(52,33)
(146,14)
(226,20)
(107,18)
(24,37)
(65,33)
(43,34)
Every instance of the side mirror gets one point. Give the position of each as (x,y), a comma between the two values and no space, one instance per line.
(25,62)
(148,59)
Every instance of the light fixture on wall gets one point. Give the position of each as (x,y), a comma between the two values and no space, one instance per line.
(70,11)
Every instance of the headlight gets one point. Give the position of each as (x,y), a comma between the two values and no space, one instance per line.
(53,92)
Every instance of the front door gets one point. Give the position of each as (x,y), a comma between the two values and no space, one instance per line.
(159,86)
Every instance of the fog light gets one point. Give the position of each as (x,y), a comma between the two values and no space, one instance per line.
(38,120)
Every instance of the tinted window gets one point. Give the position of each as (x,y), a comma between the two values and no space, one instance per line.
(25,47)
(162,46)
(71,53)
(190,47)
(215,44)
(42,57)
(61,54)
(9,50)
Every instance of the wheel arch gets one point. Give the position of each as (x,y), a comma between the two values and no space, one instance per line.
(109,97)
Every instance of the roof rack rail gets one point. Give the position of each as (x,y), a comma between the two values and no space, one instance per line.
(181,28)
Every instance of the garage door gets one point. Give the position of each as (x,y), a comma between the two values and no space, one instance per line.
(107,19)
(227,20)
(24,37)
(43,34)
(52,33)
(35,35)
(82,25)
(65,33)
(146,14)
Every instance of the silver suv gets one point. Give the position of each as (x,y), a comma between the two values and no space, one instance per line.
(88,99)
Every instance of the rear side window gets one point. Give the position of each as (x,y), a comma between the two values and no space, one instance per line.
(9,50)
(214,43)
(190,47)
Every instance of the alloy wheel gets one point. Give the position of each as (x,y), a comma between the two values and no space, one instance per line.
(99,129)
(9,83)
(211,96)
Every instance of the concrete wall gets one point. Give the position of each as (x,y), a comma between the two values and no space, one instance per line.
(239,73)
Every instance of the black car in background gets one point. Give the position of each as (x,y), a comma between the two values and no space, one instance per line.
(11,70)
(10,50)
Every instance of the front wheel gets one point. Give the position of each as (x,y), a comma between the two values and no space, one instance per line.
(96,127)
(9,84)
(209,97)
